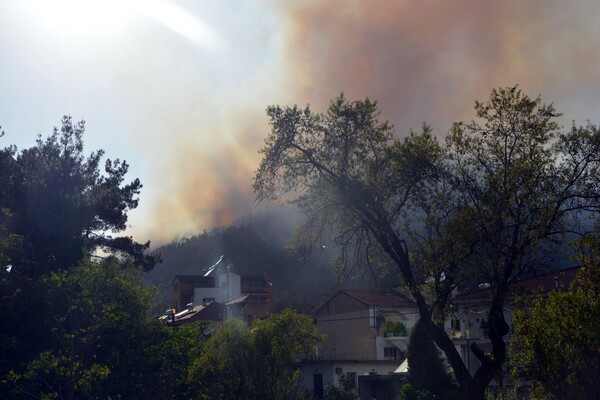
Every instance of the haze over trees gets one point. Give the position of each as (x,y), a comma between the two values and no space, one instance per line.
(254,246)
(79,326)
(484,206)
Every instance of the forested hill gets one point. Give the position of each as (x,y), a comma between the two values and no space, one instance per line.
(252,247)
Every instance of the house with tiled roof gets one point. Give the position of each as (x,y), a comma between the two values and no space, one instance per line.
(468,321)
(367,333)
(247,296)
(183,288)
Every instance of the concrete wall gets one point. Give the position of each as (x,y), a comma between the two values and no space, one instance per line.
(227,289)
(230,284)
(472,319)
(331,371)
(346,322)
(182,294)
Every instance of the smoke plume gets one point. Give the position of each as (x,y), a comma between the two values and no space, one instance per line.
(423,61)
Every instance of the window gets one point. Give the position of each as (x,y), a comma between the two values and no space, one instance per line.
(318,385)
(455,324)
(389,353)
(351,380)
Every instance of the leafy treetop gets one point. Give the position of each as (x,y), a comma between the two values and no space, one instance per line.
(62,206)
(487,206)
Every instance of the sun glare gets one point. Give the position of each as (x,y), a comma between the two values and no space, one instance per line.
(181,22)
(84,16)
(80,16)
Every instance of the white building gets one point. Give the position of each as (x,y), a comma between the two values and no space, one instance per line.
(367,333)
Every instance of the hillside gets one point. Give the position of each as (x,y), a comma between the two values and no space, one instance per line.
(255,246)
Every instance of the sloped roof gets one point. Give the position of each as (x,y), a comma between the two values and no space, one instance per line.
(194,279)
(244,279)
(212,312)
(545,283)
(249,298)
(376,298)
(403,368)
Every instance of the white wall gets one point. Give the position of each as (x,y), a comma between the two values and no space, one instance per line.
(229,288)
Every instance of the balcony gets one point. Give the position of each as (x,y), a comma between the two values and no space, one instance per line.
(470,334)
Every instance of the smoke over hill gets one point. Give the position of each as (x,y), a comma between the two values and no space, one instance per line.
(257,245)
(425,61)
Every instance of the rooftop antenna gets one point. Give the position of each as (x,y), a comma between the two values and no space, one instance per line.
(211,269)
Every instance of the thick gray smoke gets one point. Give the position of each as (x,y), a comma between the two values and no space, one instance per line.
(423,61)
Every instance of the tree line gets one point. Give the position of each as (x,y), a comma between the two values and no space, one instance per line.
(301,276)
(500,198)
(76,320)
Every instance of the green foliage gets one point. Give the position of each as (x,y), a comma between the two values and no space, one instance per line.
(224,368)
(345,390)
(58,376)
(488,206)
(8,243)
(86,334)
(62,206)
(73,328)
(505,393)
(277,342)
(507,173)
(408,392)
(426,370)
(241,362)
(334,393)
(396,327)
(169,360)
(349,171)
(556,342)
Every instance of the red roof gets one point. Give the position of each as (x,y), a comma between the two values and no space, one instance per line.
(545,283)
(378,298)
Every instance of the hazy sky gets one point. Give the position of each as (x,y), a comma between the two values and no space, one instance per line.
(179,88)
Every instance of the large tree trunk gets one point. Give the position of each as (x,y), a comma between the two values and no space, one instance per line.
(472,387)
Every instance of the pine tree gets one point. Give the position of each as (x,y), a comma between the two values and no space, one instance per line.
(426,371)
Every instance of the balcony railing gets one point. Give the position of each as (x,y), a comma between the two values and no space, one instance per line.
(470,334)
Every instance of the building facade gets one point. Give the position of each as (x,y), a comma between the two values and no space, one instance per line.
(367,333)
(244,296)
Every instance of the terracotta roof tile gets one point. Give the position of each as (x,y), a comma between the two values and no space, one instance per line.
(545,283)
(378,298)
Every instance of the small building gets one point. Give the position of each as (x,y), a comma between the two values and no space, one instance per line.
(183,288)
(468,323)
(249,296)
(367,333)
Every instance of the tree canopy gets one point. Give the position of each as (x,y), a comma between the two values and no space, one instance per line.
(256,362)
(86,333)
(72,328)
(62,207)
(556,341)
(485,206)
(426,370)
